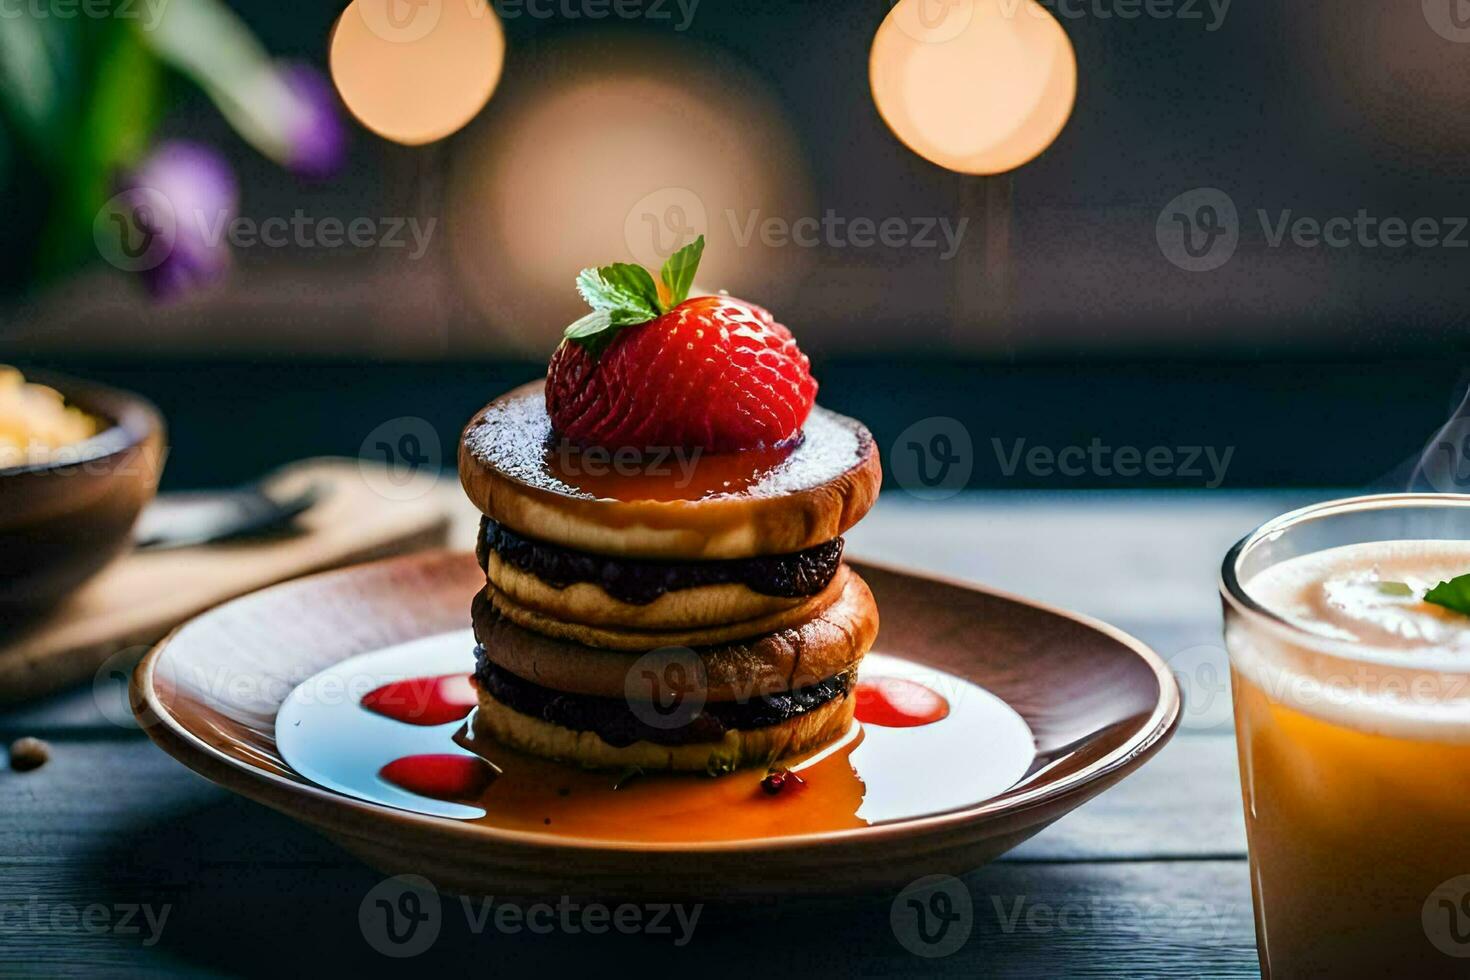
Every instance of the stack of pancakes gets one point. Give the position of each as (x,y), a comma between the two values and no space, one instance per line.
(687,613)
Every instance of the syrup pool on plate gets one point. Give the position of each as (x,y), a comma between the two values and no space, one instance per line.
(925,742)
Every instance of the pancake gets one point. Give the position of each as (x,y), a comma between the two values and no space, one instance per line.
(829,643)
(598,590)
(705,744)
(615,721)
(666,503)
(638,640)
(590,605)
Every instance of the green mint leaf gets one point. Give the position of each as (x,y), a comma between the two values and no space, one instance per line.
(1453,595)
(620,295)
(1395,588)
(678,272)
(623,289)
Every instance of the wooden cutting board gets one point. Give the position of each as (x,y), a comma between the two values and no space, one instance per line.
(364,514)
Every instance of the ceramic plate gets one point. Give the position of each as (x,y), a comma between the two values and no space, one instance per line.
(1098,704)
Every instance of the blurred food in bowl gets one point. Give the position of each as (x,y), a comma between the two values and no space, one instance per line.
(89,460)
(36,423)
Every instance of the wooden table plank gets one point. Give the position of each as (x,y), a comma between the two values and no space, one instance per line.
(235,891)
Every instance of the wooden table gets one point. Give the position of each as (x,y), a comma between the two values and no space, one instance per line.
(1148,880)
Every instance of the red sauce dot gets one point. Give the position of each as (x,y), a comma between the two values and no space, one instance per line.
(424,700)
(893,702)
(442,777)
(782,782)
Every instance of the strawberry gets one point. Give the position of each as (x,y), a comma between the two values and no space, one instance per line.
(713,373)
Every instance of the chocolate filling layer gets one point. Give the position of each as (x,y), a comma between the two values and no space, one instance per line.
(639,582)
(617,723)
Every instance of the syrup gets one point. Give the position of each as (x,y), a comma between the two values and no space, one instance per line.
(513,434)
(875,772)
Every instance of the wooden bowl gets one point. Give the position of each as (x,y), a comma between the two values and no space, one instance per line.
(62,521)
(1099,703)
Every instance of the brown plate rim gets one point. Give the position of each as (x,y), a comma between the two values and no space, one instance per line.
(189,749)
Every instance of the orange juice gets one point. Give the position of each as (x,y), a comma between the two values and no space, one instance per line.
(1352,710)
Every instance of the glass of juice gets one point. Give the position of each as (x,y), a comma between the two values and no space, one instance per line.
(1352,720)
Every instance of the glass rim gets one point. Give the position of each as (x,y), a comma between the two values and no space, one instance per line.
(1235,594)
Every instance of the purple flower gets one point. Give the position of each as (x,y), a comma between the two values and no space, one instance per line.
(316,136)
(172,218)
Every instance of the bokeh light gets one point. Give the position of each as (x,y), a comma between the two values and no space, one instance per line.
(604,153)
(416,72)
(976,86)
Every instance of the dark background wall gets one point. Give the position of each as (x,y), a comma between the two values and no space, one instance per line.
(1061,320)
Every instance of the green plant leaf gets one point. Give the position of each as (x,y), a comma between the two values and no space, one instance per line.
(678,272)
(623,289)
(1453,595)
(624,295)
